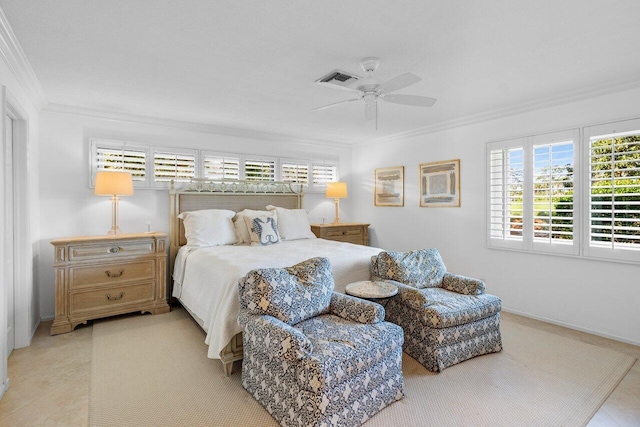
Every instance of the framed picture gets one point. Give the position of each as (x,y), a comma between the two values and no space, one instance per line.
(440,184)
(389,186)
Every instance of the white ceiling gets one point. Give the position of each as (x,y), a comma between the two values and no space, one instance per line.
(251,65)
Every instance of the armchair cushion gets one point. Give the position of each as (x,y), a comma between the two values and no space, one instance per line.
(343,349)
(289,294)
(421,268)
(356,309)
(275,338)
(444,309)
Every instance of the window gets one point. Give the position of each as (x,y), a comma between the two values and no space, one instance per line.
(323,172)
(177,166)
(560,193)
(531,193)
(506,170)
(156,167)
(294,171)
(613,202)
(259,169)
(220,166)
(553,192)
(117,155)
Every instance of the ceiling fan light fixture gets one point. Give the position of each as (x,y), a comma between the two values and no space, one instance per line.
(370,89)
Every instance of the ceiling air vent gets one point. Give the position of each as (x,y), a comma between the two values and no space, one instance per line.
(338,78)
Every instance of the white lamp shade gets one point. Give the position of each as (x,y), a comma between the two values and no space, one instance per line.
(110,183)
(336,190)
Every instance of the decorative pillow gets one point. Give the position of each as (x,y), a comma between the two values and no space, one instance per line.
(242,232)
(209,227)
(263,230)
(421,268)
(293,224)
(289,294)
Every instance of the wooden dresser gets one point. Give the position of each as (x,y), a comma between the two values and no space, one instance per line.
(100,276)
(350,232)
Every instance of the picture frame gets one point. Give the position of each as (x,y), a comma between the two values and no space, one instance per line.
(440,184)
(389,186)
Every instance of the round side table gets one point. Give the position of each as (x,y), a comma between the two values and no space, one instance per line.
(372,290)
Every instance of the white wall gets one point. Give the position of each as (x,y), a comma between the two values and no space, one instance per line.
(601,297)
(69,207)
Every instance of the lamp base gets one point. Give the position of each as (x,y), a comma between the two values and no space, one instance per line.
(115,232)
(337,204)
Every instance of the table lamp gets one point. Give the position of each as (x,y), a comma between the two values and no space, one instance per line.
(114,184)
(337,191)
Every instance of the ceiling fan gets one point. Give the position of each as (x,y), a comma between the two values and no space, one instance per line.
(370,89)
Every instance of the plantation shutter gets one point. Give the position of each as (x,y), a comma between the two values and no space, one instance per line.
(506,194)
(260,169)
(552,198)
(614,191)
(323,173)
(167,166)
(295,171)
(113,155)
(221,167)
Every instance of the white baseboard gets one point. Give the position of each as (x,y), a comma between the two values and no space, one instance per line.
(571,326)
(4,387)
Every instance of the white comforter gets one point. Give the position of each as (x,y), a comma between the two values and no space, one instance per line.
(207,278)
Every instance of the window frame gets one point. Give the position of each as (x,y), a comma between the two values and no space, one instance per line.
(298,162)
(528,241)
(95,144)
(602,131)
(236,156)
(174,151)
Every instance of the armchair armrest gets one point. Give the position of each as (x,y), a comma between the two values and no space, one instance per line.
(409,295)
(275,337)
(463,284)
(356,309)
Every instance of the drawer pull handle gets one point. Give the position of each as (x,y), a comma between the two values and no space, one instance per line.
(114,250)
(110,274)
(344,233)
(110,298)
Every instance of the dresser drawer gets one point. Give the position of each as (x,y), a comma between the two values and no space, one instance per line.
(107,250)
(353,233)
(111,273)
(111,297)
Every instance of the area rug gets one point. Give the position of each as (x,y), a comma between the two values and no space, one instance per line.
(153,371)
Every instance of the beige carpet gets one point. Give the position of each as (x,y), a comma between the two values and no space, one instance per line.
(153,371)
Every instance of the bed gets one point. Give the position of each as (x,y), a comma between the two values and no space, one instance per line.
(205,278)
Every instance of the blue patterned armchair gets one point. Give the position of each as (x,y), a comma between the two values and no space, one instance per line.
(446,318)
(314,357)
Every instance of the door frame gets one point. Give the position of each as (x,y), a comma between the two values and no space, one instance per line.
(24,312)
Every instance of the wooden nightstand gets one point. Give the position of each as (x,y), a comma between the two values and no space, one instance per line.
(100,276)
(350,232)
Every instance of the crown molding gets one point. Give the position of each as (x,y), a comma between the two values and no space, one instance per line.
(189,126)
(586,93)
(13,55)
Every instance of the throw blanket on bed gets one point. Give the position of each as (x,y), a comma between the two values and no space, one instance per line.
(208,277)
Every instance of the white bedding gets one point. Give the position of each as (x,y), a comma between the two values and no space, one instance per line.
(207,278)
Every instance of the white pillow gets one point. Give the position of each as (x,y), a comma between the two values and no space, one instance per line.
(209,227)
(263,230)
(242,232)
(293,224)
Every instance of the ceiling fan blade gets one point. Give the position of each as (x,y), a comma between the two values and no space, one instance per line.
(335,103)
(413,100)
(370,110)
(399,82)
